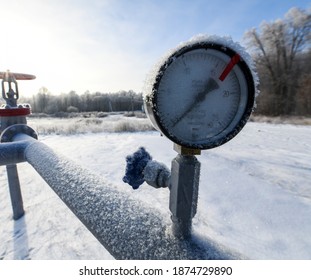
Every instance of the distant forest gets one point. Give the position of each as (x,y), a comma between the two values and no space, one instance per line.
(281,51)
(44,102)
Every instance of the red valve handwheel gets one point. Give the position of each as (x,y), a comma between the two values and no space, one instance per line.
(17,76)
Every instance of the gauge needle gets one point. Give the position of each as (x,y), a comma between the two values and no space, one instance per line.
(233,61)
(210,86)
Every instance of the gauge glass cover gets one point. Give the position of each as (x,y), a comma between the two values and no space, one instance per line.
(196,108)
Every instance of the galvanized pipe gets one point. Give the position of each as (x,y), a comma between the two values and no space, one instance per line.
(15,192)
(10,155)
(13,153)
(126,228)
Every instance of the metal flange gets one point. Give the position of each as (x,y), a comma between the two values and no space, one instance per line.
(8,134)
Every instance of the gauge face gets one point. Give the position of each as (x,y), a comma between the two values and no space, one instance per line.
(203,96)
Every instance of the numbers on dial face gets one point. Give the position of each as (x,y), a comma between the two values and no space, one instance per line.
(195,104)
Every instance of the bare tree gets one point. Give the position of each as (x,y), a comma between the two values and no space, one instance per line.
(275,48)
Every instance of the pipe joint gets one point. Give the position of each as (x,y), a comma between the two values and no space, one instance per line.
(10,132)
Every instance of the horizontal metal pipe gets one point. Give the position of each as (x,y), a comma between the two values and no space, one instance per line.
(12,153)
(127,229)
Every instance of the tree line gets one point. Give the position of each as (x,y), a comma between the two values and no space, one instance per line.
(45,102)
(282,53)
(280,49)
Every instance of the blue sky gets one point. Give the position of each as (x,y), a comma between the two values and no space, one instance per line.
(110,45)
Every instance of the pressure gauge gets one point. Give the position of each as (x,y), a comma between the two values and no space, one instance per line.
(202,95)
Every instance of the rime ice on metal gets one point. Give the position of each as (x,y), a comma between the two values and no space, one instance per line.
(135,166)
(226,41)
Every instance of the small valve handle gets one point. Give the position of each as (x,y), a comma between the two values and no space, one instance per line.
(135,165)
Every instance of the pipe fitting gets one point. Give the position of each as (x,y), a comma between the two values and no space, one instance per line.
(10,132)
(157,175)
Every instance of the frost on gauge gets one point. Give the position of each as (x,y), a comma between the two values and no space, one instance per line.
(226,41)
(201,93)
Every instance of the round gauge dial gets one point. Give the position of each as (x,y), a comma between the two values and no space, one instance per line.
(202,96)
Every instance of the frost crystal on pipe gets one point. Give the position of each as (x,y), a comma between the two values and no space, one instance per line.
(126,228)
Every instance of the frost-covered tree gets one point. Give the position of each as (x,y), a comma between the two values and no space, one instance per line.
(276,47)
(45,102)
(40,101)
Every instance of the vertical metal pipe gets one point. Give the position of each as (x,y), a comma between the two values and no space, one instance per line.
(184,187)
(15,191)
(13,180)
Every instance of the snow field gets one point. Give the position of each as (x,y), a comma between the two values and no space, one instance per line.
(254,194)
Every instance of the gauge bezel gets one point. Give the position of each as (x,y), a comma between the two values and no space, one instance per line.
(156,118)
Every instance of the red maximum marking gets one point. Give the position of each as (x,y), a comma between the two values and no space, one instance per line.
(233,61)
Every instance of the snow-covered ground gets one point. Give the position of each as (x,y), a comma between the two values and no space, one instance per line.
(254,197)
